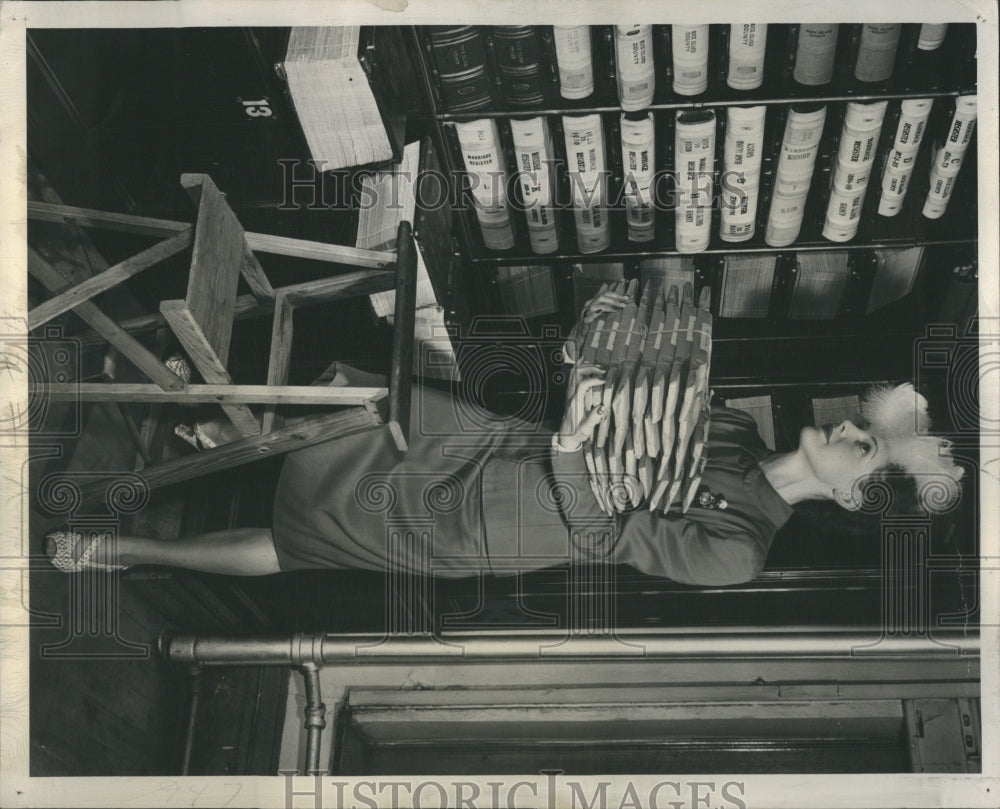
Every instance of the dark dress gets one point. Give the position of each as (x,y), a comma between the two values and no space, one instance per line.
(479,493)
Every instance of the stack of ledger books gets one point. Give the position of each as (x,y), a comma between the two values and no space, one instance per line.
(390,199)
(336,105)
(657,356)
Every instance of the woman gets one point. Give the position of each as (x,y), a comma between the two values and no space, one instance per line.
(477,493)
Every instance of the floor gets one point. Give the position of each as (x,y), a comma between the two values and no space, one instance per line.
(103,699)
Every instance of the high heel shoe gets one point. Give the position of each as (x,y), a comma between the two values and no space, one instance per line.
(179,366)
(62,548)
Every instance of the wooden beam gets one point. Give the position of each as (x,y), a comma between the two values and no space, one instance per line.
(259,242)
(108,220)
(109,278)
(215,266)
(401,372)
(254,275)
(320,251)
(210,394)
(246,306)
(212,370)
(281,355)
(134,433)
(346,285)
(247,450)
(137,353)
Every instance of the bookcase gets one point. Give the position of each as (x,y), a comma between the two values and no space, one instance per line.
(828,303)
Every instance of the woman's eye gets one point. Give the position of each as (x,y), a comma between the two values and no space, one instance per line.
(864,446)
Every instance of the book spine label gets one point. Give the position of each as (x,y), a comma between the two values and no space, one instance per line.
(844,207)
(843,214)
(963,123)
(694,151)
(466,92)
(533,155)
(912,123)
(693,222)
(800,143)
(895,185)
(743,146)
(585,161)
(747,45)
(860,135)
(738,214)
(481,153)
(636,75)
(850,179)
(815,53)
(457,50)
(784,218)
(574,60)
(877,51)
(592,232)
(938,195)
(690,57)
(638,160)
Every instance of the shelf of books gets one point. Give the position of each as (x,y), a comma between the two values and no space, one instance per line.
(796,155)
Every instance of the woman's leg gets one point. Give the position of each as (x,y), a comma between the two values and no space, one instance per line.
(235,552)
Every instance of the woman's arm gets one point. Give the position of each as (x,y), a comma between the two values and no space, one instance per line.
(591,529)
(709,549)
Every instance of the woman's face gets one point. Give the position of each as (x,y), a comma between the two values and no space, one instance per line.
(839,455)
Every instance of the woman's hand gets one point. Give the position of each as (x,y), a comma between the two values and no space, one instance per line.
(578,424)
(601,303)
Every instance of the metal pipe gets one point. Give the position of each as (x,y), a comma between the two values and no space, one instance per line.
(315,712)
(557,647)
(819,98)
(192,719)
(512,258)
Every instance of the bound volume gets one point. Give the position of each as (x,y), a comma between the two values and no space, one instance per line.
(742,158)
(799,147)
(391,198)
(877,51)
(689,47)
(636,75)
(820,282)
(639,162)
(344,120)
(815,53)
(949,155)
(483,158)
(574,60)
(747,45)
(651,451)
(519,61)
(460,58)
(534,157)
(694,162)
(899,165)
(586,166)
(855,155)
